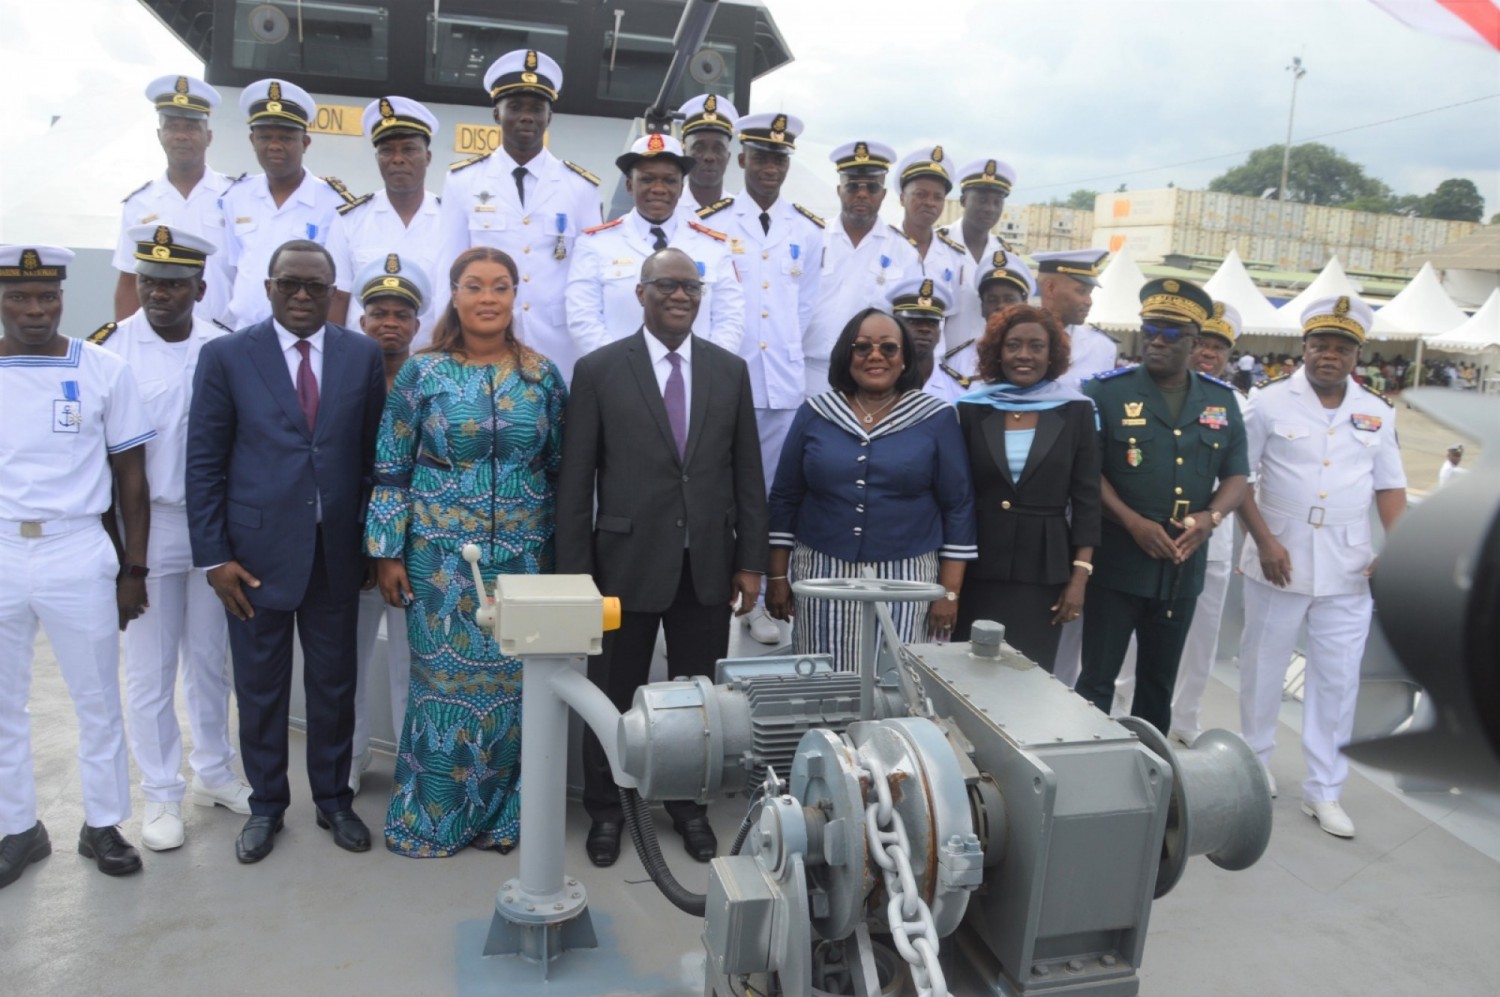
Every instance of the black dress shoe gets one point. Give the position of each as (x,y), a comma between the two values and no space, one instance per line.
(257,838)
(349,832)
(603,843)
(110,851)
(17,851)
(697,837)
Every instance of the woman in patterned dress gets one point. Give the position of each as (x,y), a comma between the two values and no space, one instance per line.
(468,453)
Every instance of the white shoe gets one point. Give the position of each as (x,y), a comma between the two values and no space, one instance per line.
(234,796)
(1331,817)
(161,827)
(762,627)
(357,767)
(1271,781)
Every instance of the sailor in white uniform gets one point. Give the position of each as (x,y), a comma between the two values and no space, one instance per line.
(525,201)
(983,187)
(863,257)
(924,180)
(708,126)
(400,218)
(1323,448)
(391,295)
(918,301)
(282,203)
(1002,280)
(186,194)
(73,434)
(601,302)
(185,623)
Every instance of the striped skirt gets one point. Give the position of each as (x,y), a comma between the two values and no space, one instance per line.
(827,626)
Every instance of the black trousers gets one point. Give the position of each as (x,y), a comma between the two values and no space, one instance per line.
(1024,608)
(261,648)
(697,637)
(1109,619)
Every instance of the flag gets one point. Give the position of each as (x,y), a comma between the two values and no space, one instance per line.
(1476,21)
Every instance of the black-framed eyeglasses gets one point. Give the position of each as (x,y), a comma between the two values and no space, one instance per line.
(864,186)
(667,287)
(887,349)
(1168,333)
(289,286)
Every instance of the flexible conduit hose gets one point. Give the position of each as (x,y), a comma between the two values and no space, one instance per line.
(748,822)
(643,834)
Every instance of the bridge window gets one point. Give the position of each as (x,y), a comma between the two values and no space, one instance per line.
(347,40)
(461,48)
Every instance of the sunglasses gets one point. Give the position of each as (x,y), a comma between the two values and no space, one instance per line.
(287,287)
(1168,333)
(888,349)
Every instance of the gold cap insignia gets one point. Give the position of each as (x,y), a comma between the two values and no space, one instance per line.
(937,154)
(1341,307)
(393,263)
(711,104)
(181,86)
(528,77)
(861,152)
(180,100)
(390,282)
(778,127)
(989,168)
(274,93)
(163,235)
(30,260)
(1171,286)
(386,110)
(655,144)
(998,260)
(161,252)
(531,59)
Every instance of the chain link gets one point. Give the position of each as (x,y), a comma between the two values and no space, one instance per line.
(907,914)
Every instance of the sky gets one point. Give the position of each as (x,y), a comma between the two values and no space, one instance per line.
(1083,94)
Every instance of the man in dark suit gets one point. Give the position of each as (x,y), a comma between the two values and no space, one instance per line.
(279,462)
(661,430)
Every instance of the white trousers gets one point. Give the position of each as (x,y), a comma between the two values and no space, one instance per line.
(774,424)
(372,610)
(1337,626)
(184,624)
(67,584)
(1198,655)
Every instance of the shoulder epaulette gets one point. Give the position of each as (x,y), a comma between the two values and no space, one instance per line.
(1272,380)
(135,192)
(344,209)
(463,163)
(1003,244)
(958,349)
(715,208)
(582,172)
(1215,380)
(99,335)
(340,189)
(1377,394)
(943,235)
(708,231)
(963,379)
(221,325)
(1105,375)
(810,216)
(601,228)
(229,186)
(903,235)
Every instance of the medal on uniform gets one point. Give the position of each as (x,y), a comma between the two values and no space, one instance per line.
(1133,455)
(885,261)
(312,232)
(561,252)
(1214,417)
(67,411)
(948,276)
(1365,423)
(796,270)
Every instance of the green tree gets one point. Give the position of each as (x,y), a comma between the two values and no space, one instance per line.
(1318,174)
(1083,199)
(1456,199)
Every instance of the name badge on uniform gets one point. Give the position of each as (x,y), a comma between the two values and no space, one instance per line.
(67,411)
(736,246)
(1214,417)
(1133,417)
(1365,423)
(796,270)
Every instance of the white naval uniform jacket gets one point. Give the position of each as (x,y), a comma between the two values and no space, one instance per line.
(1317,471)
(481,208)
(159,203)
(965,321)
(851,279)
(371,229)
(1221,540)
(950,266)
(963,361)
(1091,353)
(254,226)
(601,301)
(779,274)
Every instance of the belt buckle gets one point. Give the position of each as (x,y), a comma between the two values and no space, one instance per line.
(1180,508)
(31,529)
(1316,515)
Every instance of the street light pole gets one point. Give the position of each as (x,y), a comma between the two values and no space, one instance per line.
(1297,72)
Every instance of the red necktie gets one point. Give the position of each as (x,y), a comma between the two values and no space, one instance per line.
(307,385)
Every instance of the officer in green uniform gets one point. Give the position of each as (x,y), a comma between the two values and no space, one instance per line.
(1168,435)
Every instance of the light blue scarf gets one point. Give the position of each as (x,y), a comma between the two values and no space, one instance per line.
(1042,395)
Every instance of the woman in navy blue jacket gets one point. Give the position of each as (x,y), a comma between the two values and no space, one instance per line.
(873,474)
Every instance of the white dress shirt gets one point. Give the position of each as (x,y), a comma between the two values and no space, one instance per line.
(662,368)
(293,356)
(372,230)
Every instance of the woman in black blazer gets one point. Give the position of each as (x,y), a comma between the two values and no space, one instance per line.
(1034,454)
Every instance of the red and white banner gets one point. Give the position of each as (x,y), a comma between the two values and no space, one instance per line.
(1476,21)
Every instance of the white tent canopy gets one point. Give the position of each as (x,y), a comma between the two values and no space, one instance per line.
(1422,308)
(1117,300)
(1479,333)
(1331,283)
(1232,285)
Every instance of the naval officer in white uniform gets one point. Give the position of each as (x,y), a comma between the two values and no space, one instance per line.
(983,186)
(401,217)
(708,126)
(184,626)
(918,301)
(863,257)
(73,433)
(186,194)
(924,179)
(1323,448)
(282,203)
(1002,280)
(525,201)
(601,301)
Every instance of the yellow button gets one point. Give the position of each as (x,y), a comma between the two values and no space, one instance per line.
(765,314)
(1005,505)
(765,256)
(765,284)
(1327,462)
(1132,439)
(1176,432)
(1179,460)
(526,220)
(526,278)
(762,345)
(1330,432)
(1322,495)
(1177,490)
(526,307)
(525,249)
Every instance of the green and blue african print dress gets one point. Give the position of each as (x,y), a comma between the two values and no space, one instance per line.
(466,454)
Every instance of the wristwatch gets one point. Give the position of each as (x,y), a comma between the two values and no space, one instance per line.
(1216,516)
(951,596)
(134,571)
